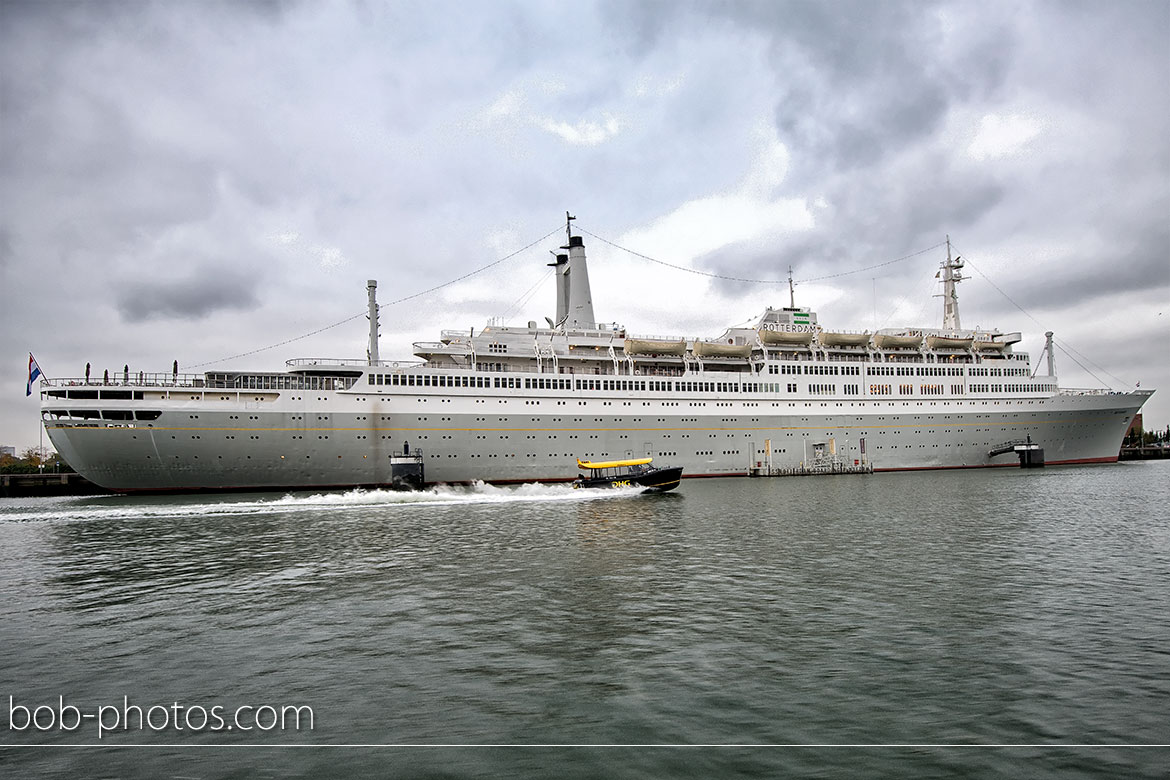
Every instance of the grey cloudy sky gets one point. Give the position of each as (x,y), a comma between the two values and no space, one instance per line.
(193,180)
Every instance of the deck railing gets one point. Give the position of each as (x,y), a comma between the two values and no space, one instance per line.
(140,379)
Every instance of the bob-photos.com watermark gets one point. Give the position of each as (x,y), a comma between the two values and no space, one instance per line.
(176,717)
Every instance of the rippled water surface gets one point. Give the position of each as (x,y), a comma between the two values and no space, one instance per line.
(951,611)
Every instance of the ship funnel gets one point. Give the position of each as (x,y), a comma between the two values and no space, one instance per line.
(562,266)
(580,300)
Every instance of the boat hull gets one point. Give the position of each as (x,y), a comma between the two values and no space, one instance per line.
(654,480)
(350,438)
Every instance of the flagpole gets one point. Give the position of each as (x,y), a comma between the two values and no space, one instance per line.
(40,426)
(32,362)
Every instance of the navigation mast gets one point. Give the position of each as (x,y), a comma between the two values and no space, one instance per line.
(951,275)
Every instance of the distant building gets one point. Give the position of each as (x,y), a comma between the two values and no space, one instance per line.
(6,450)
(1135,424)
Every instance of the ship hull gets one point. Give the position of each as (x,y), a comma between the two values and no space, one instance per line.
(349,438)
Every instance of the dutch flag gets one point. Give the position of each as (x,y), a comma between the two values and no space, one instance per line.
(34,371)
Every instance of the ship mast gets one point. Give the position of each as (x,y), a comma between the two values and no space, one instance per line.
(372,351)
(951,275)
(791,291)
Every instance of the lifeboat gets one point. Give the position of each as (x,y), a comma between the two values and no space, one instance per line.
(711,349)
(837,339)
(887,341)
(772,337)
(655,347)
(949,342)
(989,346)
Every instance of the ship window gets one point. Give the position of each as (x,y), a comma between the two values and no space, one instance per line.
(85,414)
(86,394)
(117,414)
(370,379)
(410,380)
(147,415)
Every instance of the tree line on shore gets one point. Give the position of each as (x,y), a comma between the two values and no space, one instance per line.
(1137,437)
(32,460)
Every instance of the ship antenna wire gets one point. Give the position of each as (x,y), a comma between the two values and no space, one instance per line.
(1064,347)
(381,306)
(757,281)
(472,273)
(1087,371)
(523,299)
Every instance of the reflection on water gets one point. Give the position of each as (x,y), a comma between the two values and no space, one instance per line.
(975,608)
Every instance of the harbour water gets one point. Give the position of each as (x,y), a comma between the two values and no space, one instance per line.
(935,624)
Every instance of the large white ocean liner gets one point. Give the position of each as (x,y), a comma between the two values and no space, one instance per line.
(512,404)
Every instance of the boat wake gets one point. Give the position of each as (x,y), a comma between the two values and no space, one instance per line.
(475,493)
(121,507)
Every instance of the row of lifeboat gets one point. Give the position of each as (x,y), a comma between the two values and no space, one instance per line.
(716,349)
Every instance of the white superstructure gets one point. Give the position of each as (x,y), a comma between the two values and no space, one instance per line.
(524,403)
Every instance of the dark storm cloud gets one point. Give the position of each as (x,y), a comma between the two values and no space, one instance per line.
(204,293)
(5,246)
(1137,263)
(857,81)
(865,95)
(872,222)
